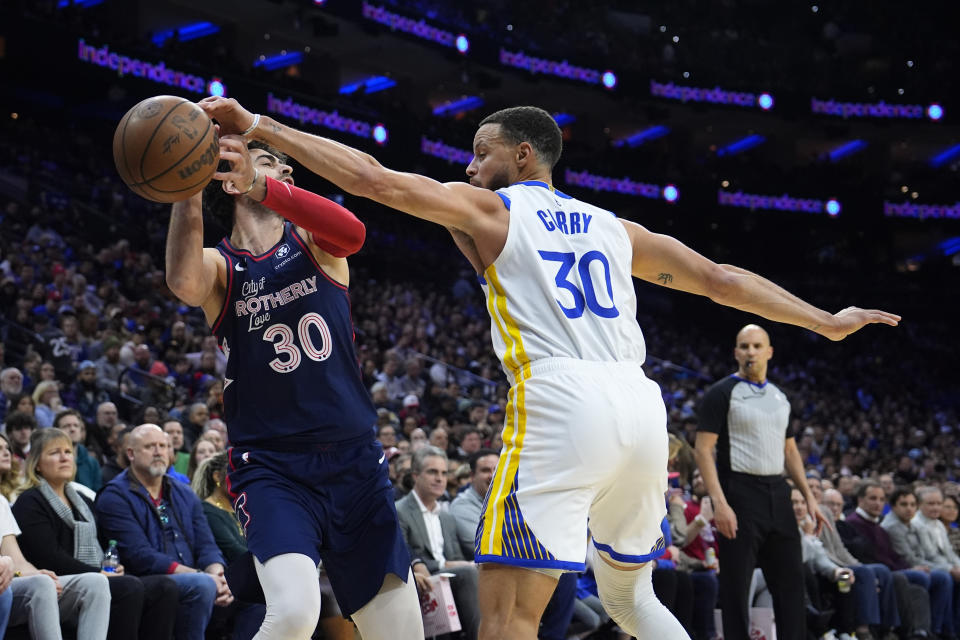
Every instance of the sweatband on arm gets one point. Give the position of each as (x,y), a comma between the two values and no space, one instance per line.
(332,227)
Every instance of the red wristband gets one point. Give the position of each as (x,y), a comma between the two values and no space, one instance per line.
(332,227)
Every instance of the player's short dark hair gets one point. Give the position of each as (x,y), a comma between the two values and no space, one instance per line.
(220,204)
(475,458)
(900,492)
(865,485)
(533,125)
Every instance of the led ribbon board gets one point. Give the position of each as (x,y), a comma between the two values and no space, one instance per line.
(326,119)
(155,72)
(417,28)
(625,186)
(440,149)
(562,69)
(716,95)
(921,211)
(784,202)
(875,110)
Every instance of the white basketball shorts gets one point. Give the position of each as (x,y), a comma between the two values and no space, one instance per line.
(585,445)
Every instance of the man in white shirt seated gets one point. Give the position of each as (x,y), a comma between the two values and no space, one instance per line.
(431,535)
(934,543)
(468,504)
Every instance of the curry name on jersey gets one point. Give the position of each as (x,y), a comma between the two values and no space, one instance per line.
(562,285)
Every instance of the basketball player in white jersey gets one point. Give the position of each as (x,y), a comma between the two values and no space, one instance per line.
(585,433)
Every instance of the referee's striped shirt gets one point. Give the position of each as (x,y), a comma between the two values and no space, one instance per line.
(752,422)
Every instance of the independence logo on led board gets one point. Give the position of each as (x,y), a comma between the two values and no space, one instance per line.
(876,110)
(327,119)
(716,95)
(784,202)
(155,72)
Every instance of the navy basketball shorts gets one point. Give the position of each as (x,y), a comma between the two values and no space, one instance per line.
(333,503)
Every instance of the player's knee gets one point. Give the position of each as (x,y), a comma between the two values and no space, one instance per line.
(292,619)
(623,592)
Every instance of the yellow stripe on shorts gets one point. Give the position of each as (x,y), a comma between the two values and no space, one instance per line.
(491,541)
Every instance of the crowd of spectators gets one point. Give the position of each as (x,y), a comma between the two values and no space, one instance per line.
(93,343)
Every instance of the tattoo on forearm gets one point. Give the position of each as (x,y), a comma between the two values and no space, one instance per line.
(815,327)
(665,278)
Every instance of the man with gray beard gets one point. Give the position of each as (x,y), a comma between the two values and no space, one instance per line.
(11,384)
(160,528)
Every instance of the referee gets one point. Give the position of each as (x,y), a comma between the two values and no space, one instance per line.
(747,419)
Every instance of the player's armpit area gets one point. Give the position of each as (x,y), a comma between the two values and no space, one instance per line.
(453,204)
(668,262)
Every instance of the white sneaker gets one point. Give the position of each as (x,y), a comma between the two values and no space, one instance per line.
(829,635)
(847,636)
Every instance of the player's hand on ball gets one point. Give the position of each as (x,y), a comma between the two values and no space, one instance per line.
(852,319)
(233,118)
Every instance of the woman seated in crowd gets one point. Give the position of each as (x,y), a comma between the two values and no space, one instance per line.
(203,448)
(949,513)
(22,402)
(39,598)
(832,582)
(60,535)
(9,470)
(209,484)
(47,398)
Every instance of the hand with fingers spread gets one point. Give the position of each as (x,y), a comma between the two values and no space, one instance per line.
(233,118)
(852,319)
(243,177)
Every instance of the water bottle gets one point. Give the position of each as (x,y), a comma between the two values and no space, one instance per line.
(843,583)
(111,559)
(711,558)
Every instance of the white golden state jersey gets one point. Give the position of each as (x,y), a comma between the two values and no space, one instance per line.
(562,286)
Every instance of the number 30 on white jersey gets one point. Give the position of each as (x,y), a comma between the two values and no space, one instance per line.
(562,285)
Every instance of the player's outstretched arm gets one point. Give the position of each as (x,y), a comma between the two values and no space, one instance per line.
(457,205)
(666,261)
(191,270)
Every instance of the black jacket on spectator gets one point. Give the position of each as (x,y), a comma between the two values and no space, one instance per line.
(47,541)
(143,608)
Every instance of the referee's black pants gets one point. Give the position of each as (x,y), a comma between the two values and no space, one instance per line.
(768,538)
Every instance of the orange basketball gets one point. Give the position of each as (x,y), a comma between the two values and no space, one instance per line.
(166,149)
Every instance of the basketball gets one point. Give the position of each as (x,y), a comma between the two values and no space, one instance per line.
(165,148)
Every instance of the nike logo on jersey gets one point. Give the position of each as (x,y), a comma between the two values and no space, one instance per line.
(238,267)
(226,383)
(568,223)
(382,458)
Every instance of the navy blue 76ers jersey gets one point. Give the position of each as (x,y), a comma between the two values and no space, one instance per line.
(292,372)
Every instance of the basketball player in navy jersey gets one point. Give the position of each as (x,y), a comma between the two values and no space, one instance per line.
(308,480)
(585,434)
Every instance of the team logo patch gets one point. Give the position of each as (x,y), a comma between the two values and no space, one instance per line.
(283,250)
(241,508)
(245,456)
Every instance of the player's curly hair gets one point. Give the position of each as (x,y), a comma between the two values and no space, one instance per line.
(219,204)
(533,125)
